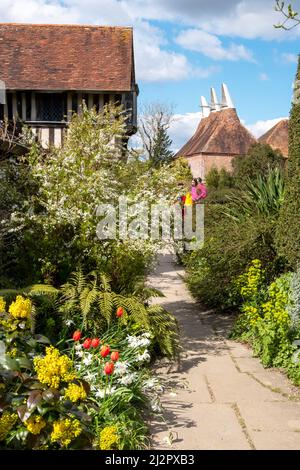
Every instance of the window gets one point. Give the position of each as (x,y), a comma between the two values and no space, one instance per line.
(50,106)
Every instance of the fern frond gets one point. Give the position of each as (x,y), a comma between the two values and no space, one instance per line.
(105,282)
(106,305)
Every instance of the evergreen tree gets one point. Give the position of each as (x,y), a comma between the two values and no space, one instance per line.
(161,153)
(288,230)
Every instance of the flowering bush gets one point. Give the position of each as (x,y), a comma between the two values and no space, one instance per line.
(266,321)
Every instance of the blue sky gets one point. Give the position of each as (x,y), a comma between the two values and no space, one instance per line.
(183,47)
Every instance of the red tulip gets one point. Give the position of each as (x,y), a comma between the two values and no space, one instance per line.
(105,350)
(87,343)
(76,335)
(95,342)
(114,356)
(120,312)
(109,368)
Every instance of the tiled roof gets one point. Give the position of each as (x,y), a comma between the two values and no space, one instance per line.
(66,57)
(219,133)
(278,137)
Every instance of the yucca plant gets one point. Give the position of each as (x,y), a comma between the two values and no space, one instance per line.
(263,196)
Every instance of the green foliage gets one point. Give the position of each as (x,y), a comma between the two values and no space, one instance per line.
(265,320)
(219,179)
(288,241)
(90,302)
(261,158)
(161,153)
(212,178)
(261,196)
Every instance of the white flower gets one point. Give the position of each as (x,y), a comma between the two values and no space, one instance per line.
(138,341)
(156,406)
(120,368)
(90,376)
(69,322)
(78,347)
(152,384)
(79,353)
(128,379)
(144,357)
(101,393)
(88,359)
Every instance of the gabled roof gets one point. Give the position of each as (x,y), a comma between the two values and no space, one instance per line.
(278,137)
(66,57)
(219,133)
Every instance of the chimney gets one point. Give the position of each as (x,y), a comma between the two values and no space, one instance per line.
(204,107)
(226,98)
(214,105)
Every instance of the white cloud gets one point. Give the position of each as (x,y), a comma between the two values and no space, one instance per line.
(155,61)
(289,58)
(261,127)
(240,18)
(263,77)
(182,128)
(211,46)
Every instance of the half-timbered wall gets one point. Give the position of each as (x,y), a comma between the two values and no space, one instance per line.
(48,113)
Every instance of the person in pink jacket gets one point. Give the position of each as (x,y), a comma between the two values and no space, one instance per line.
(201,188)
(198,190)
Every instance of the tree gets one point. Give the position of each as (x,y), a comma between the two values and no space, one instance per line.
(290,16)
(154,123)
(161,147)
(288,233)
(260,159)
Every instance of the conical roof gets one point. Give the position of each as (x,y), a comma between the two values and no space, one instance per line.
(278,137)
(219,133)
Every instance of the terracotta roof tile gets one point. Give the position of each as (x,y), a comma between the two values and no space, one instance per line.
(66,57)
(219,133)
(278,137)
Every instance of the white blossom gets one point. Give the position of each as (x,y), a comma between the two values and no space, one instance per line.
(128,379)
(88,359)
(120,368)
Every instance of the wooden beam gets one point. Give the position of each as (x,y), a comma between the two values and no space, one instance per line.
(69,106)
(33,107)
(79,106)
(14,105)
(101,101)
(90,101)
(24,106)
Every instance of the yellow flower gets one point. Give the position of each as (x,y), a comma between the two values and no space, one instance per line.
(54,368)
(21,308)
(65,431)
(35,424)
(2,305)
(109,438)
(13,352)
(7,422)
(75,392)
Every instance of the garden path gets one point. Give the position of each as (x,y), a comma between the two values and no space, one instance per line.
(218,396)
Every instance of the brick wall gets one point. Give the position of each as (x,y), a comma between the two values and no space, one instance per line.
(201,164)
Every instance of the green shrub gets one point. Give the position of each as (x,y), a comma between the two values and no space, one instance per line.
(288,240)
(261,158)
(266,321)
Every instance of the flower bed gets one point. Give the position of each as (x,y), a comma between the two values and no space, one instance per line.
(88,393)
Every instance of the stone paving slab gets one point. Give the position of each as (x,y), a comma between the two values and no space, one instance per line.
(276,440)
(249,364)
(266,416)
(219,396)
(204,427)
